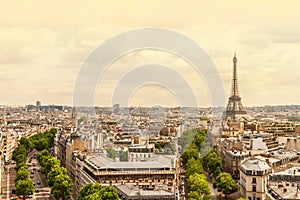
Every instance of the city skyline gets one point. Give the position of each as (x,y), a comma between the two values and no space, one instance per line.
(43,48)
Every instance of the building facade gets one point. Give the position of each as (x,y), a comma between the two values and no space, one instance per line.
(254,179)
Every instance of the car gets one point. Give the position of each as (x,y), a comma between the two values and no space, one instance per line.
(34,169)
(36,191)
(38,170)
(31,176)
(38,182)
(32,172)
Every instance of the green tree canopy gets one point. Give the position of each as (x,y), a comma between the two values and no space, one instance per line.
(109,193)
(193,166)
(26,143)
(22,174)
(24,188)
(54,172)
(191,152)
(111,153)
(41,154)
(213,162)
(53,131)
(20,165)
(61,187)
(225,183)
(88,189)
(19,151)
(41,144)
(96,192)
(193,195)
(198,184)
(50,163)
(123,156)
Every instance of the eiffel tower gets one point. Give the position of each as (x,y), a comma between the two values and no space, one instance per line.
(234,106)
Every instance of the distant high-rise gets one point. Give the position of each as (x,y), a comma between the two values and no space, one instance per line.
(4,116)
(234,106)
(38,104)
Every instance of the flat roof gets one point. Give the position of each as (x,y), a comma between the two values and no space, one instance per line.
(286,192)
(157,162)
(133,191)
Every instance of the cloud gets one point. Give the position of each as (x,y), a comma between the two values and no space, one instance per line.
(42,47)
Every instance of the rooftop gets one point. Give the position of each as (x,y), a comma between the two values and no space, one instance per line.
(255,164)
(155,163)
(136,192)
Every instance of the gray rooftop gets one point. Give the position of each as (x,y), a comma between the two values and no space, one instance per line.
(157,162)
(255,164)
(133,191)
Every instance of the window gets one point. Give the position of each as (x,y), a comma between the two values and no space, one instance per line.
(253,189)
(253,180)
(248,172)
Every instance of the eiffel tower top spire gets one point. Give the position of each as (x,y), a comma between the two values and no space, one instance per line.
(234,106)
(234,89)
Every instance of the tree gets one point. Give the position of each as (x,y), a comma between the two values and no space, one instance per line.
(22,174)
(187,139)
(27,143)
(225,183)
(213,162)
(43,162)
(194,195)
(41,144)
(111,153)
(96,192)
(191,152)
(41,154)
(198,184)
(88,189)
(20,165)
(20,158)
(199,139)
(123,156)
(93,196)
(55,171)
(205,150)
(241,198)
(20,150)
(109,193)
(61,187)
(24,188)
(50,163)
(53,131)
(193,166)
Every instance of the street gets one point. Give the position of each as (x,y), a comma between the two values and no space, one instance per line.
(41,190)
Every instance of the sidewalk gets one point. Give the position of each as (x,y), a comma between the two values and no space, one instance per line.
(214,193)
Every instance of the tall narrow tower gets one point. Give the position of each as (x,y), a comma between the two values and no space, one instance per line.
(4,116)
(234,106)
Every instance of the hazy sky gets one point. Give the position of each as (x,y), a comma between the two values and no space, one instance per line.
(43,44)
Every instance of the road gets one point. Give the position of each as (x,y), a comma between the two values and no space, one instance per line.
(41,189)
(8,183)
(213,192)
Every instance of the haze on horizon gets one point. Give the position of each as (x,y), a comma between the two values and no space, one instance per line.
(43,45)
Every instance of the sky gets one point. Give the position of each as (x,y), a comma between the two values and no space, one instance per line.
(45,43)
